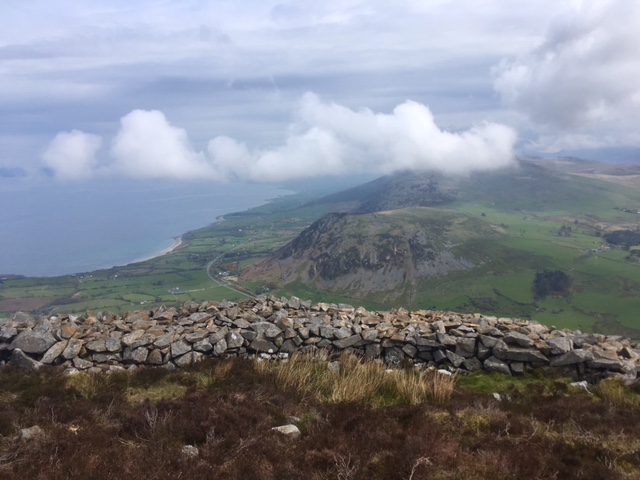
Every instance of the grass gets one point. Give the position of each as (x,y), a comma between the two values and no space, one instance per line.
(531,207)
(353,380)
(135,426)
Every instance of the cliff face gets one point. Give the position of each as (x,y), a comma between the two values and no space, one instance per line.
(380,252)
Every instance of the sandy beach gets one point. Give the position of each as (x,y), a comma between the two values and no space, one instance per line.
(177,243)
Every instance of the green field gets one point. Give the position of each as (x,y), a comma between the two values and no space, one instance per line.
(525,217)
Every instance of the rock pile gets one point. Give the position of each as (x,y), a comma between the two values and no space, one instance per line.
(275,328)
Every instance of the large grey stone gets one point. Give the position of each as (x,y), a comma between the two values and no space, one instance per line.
(20,360)
(465,347)
(54,352)
(493,364)
(33,342)
(518,354)
(113,345)
(180,348)
(262,345)
(220,347)
(455,359)
(203,346)
(99,345)
(560,345)
(519,339)
(266,329)
(472,364)
(347,342)
(139,355)
(7,333)
(155,357)
(73,348)
(572,358)
(234,340)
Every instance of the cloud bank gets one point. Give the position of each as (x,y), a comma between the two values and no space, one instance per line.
(324,139)
(72,155)
(580,85)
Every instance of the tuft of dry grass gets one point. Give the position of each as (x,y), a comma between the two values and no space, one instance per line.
(353,380)
(616,395)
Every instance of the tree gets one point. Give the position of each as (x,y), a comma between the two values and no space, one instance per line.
(548,282)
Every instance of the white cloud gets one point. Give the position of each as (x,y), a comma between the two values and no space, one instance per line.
(148,146)
(580,85)
(325,139)
(328,138)
(72,155)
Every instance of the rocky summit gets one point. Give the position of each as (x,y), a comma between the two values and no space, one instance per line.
(275,328)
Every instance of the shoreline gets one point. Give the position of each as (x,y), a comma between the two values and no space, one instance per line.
(177,243)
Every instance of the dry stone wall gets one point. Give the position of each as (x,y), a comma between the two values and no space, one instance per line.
(275,328)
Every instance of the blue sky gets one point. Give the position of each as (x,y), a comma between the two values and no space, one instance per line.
(265,91)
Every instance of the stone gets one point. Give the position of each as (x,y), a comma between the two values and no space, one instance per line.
(32,433)
(179,348)
(518,354)
(155,357)
(73,348)
(472,364)
(439,356)
(347,342)
(190,451)
(33,342)
(262,345)
(572,358)
(7,333)
(203,346)
(219,348)
(455,359)
(99,345)
(54,352)
(234,340)
(113,345)
(139,355)
(488,341)
(465,347)
(164,340)
(185,360)
(81,363)
(196,336)
(106,357)
(130,338)
(583,385)
(560,345)
(606,364)
(21,360)
(493,364)
(519,339)
(372,351)
(393,356)
(290,431)
(266,329)
(517,367)
(410,350)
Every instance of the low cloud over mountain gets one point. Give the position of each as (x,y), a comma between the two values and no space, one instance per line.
(324,139)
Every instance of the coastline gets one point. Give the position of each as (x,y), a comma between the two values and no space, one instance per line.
(177,243)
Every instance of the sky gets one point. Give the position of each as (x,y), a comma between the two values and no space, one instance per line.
(266,91)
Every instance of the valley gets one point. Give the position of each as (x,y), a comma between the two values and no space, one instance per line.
(470,244)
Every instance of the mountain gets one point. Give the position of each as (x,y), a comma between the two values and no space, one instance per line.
(475,243)
(384,252)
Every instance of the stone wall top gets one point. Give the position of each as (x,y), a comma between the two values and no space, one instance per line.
(272,327)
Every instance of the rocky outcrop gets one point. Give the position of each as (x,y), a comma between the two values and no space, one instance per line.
(276,328)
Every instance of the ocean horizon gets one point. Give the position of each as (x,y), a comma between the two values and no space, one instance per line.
(51,229)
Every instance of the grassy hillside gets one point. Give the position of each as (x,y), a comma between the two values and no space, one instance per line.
(215,420)
(510,225)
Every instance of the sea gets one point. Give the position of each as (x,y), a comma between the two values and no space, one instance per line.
(49,228)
